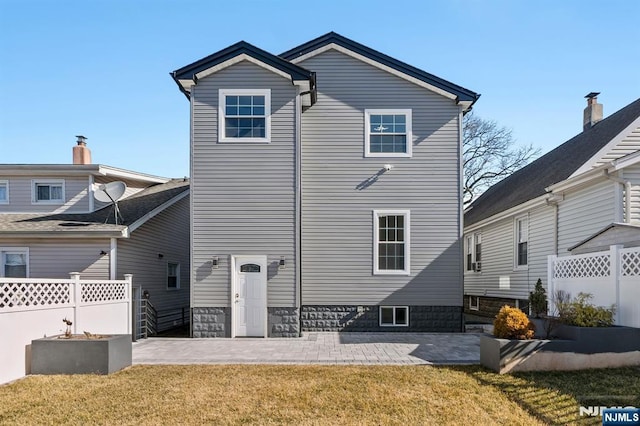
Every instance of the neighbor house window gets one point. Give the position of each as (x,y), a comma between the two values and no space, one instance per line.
(394,316)
(4,191)
(49,191)
(173,276)
(14,262)
(473,252)
(245,115)
(522,242)
(387,133)
(391,242)
(474,303)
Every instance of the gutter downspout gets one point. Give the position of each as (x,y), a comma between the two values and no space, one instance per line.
(298,201)
(627,192)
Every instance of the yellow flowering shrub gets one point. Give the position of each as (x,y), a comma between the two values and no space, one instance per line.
(512,323)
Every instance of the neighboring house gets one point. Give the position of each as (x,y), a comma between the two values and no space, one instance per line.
(326,192)
(51,225)
(582,196)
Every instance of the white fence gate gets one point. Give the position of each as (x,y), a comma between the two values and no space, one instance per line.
(612,277)
(31,308)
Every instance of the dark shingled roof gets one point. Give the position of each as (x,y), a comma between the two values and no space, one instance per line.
(555,166)
(101,221)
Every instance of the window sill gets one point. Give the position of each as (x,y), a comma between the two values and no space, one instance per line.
(401,273)
(244,140)
(394,325)
(388,155)
(48,203)
(521,268)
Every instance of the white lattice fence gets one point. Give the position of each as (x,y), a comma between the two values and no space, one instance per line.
(612,277)
(31,308)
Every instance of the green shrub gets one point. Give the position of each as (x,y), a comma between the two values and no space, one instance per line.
(580,312)
(538,300)
(512,323)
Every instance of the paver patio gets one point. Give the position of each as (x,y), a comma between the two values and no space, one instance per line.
(315,348)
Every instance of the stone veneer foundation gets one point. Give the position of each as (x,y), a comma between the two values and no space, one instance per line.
(366,319)
(216,322)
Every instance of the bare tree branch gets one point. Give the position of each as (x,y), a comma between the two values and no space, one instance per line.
(488,155)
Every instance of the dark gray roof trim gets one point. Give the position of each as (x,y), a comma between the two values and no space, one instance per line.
(332,37)
(132,209)
(189,71)
(557,165)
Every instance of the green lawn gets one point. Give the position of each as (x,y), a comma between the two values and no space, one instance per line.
(328,395)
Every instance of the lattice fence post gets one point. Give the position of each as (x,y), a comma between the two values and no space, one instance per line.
(76,292)
(614,258)
(551,264)
(129,278)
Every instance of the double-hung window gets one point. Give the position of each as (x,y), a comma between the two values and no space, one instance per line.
(473,252)
(4,191)
(391,232)
(48,191)
(387,133)
(522,242)
(173,276)
(245,115)
(14,262)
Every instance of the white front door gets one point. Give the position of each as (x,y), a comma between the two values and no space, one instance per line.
(250,297)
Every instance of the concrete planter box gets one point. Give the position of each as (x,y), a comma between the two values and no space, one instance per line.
(53,355)
(577,348)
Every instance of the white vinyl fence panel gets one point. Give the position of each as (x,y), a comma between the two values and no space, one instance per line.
(32,308)
(612,277)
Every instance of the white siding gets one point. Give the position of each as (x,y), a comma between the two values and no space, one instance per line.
(341,188)
(632,174)
(168,234)
(56,258)
(584,212)
(20,195)
(243,193)
(499,277)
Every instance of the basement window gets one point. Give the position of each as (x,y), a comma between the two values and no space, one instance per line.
(474,303)
(394,316)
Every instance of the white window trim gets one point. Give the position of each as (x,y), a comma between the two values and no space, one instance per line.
(5,183)
(407,242)
(517,267)
(472,250)
(367,132)
(222,111)
(34,191)
(475,307)
(3,250)
(394,316)
(177,287)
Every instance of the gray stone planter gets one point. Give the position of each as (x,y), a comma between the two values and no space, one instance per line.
(577,348)
(52,355)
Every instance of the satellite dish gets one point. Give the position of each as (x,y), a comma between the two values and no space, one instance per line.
(110,193)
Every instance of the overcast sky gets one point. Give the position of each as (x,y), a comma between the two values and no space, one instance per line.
(101,68)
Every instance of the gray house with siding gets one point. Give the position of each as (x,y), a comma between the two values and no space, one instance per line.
(52,225)
(325,190)
(582,196)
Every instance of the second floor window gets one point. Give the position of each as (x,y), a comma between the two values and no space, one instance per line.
(522,242)
(473,252)
(388,133)
(48,192)
(14,263)
(4,191)
(245,115)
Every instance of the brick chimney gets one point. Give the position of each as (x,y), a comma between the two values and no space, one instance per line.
(81,154)
(593,111)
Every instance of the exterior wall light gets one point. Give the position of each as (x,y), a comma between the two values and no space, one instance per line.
(214,262)
(281,265)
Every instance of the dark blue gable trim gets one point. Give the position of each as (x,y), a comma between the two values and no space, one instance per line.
(460,92)
(189,71)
